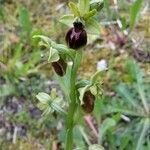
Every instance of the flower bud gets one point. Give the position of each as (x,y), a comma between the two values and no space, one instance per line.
(59,67)
(88,100)
(76,37)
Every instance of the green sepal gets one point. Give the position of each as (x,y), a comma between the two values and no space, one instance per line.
(74,9)
(43,97)
(89,14)
(94,89)
(92,26)
(96,4)
(50,103)
(84,6)
(67,19)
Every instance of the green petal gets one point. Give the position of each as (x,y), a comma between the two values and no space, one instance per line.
(53,55)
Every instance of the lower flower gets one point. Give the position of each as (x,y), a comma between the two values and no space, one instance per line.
(88,100)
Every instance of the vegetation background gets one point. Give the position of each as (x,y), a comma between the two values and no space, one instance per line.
(121,117)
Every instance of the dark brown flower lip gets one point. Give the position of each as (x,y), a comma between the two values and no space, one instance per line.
(76,36)
(59,67)
(88,100)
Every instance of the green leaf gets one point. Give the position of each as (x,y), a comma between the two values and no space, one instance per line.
(114,109)
(92,26)
(90,14)
(84,6)
(77,135)
(62,135)
(134,71)
(146,127)
(106,125)
(43,97)
(134,11)
(123,91)
(24,19)
(53,55)
(84,135)
(67,20)
(74,9)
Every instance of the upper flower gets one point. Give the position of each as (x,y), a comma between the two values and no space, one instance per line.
(76,37)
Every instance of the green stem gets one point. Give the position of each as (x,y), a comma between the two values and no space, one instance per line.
(72,104)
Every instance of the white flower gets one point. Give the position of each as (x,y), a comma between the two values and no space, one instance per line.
(102,65)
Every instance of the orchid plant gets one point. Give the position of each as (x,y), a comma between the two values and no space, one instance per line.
(80,94)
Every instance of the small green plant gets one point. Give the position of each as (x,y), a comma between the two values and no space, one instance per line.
(80,94)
